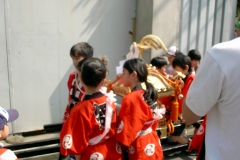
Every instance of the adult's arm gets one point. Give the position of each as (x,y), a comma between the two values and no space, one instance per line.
(188,115)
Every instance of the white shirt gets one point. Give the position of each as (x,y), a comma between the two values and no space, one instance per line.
(216,92)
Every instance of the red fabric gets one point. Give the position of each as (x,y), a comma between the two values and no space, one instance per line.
(167,102)
(198,137)
(82,125)
(69,84)
(184,91)
(133,115)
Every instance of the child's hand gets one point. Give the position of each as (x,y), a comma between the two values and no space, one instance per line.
(78,157)
(189,146)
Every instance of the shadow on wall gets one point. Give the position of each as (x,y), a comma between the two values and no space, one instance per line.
(106,29)
(57,101)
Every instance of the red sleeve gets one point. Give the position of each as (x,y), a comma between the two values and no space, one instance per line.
(69,83)
(185,88)
(198,137)
(74,134)
(132,118)
(66,114)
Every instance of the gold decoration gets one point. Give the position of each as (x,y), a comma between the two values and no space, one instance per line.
(164,86)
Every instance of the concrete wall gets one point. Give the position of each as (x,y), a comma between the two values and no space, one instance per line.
(4,80)
(161,18)
(36,37)
(205,23)
(144,19)
(166,21)
(187,24)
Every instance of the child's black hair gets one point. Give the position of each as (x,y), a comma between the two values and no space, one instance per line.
(93,71)
(177,53)
(181,61)
(80,63)
(158,62)
(82,49)
(194,54)
(139,66)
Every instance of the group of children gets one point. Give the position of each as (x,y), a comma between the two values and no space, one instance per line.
(188,65)
(91,127)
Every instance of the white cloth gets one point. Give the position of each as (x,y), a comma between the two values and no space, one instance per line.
(8,155)
(216,92)
(134,52)
(170,70)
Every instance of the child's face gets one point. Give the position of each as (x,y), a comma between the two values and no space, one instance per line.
(170,59)
(195,63)
(127,78)
(162,70)
(183,71)
(4,132)
(76,59)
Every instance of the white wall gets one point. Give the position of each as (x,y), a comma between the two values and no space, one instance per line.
(41,35)
(4,80)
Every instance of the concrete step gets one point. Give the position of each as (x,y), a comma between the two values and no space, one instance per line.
(52,156)
(36,146)
(46,146)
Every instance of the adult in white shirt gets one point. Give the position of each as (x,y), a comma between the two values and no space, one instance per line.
(215,92)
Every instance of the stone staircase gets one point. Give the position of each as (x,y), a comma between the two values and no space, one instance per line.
(45,145)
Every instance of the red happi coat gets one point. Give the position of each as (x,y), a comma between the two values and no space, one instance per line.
(136,129)
(75,94)
(84,131)
(198,139)
(185,88)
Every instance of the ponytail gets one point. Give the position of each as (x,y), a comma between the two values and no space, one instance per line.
(139,66)
(150,95)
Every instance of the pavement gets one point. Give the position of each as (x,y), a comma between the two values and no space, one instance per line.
(182,156)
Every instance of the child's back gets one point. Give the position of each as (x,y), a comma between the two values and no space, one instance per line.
(88,120)
(90,129)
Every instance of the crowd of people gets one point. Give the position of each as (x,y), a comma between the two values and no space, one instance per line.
(93,129)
